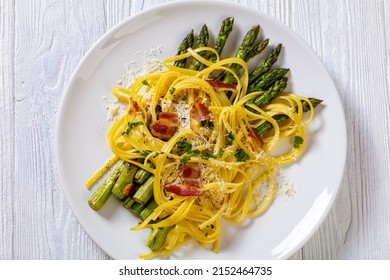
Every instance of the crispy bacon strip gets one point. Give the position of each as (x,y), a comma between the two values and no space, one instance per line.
(134,107)
(184,190)
(221,86)
(191,174)
(257,141)
(165,126)
(198,113)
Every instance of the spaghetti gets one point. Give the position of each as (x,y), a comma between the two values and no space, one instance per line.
(200,135)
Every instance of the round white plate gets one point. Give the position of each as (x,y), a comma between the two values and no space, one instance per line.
(82,148)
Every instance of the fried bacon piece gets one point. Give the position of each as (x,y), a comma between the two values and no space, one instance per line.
(256,140)
(199,113)
(165,126)
(191,174)
(222,86)
(134,107)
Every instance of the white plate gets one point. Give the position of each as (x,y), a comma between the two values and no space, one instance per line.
(81,145)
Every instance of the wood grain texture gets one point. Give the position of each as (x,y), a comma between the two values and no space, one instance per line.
(7,128)
(43,41)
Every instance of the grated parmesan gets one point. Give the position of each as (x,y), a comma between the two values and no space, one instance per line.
(151,63)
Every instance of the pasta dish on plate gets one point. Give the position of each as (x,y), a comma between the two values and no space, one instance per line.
(195,144)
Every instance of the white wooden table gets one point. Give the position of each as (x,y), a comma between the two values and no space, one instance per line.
(43,41)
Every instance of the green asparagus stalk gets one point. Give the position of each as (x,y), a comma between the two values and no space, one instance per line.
(256,49)
(149,208)
(266,127)
(247,42)
(314,101)
(202,41)
(220,41)
(102,194)
(266,65)
(267,80)
(137,208)
(156,238)
(126,177)
(144,192)
(270,94)
(185,44)
(141,175)
(127,202)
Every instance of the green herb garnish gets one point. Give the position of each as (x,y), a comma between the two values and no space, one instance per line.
(185,159)
(298,140)
(172,90)
(230,139)
(207,155)
(145,153)
(145,82)
(184,146)
(158,153)
(130,126)
(241,155)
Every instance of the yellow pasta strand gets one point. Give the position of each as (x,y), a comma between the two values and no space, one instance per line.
(232,165)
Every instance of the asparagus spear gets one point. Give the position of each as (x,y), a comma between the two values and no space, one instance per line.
(185,44)
(145,191)
(220,41)
(267,80)
(137,208)
(266,127)
(265,66)
(127,202)
(149,208)
(243,49)
(202,41)
(101,195)
(141,175)
(247,42)
(156,238)
(256,49)
(314,101)
(126,177)
(270,94)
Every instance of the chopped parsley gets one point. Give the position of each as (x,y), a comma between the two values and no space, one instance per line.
(158,153)
(298,140)
(241,155)
(185,159)
(145,153)
(145,82)
(130,126)
(184,98)
(207,154)
(172,90)
(184,146)
(230,139)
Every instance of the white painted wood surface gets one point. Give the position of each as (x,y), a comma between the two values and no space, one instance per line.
(43,41)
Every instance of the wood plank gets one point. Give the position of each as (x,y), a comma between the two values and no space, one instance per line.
(7,128)
(50,39)
(355,56)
